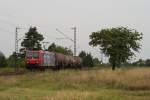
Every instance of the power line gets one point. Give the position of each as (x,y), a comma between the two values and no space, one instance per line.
(61,38)
(67,37)
(45,44)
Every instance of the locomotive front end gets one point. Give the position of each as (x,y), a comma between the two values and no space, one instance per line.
(32,59)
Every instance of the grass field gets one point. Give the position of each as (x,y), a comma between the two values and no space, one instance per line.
(102,84)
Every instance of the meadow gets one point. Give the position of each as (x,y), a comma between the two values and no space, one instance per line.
(99,84)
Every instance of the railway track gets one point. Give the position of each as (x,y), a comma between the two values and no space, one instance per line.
(12,73)
(21,72)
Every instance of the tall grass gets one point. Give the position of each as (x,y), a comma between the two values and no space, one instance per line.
(103,84)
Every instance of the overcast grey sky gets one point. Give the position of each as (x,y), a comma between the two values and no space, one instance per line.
(87,15)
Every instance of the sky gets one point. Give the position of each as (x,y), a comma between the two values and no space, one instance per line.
(87,15)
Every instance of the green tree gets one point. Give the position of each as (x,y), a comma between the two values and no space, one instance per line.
(3,62)
(20,62)
(82,55)
(119,44)
(140,62)
(52,47)
(11,60)
(147,62)
(32,39)
(96,61)
(59,49)
(87,59)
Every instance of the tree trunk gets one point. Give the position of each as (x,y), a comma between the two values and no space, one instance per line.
(114,66)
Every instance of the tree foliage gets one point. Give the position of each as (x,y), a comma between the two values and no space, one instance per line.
(3,62)
(141,62)
(96,61)
(147,62)
(32,39)
(119,44)
(12,59)
(59,49)
(87,59)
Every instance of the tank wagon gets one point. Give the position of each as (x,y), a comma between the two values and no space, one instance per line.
(44,59)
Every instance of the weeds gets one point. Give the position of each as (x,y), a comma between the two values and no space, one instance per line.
(102,84)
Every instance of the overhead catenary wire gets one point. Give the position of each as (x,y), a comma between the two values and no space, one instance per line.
(67,37)
(45,44)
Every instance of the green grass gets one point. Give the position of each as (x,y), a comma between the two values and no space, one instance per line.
(9,69)
(6,69)
(102,84)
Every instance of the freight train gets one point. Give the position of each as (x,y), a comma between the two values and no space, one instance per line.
(44,59)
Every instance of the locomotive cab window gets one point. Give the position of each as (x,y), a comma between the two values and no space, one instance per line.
(35,54)
(32,55)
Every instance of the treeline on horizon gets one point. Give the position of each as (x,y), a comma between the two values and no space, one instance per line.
(119,44)
(88,61)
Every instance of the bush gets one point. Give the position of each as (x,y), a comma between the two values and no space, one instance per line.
(3,62)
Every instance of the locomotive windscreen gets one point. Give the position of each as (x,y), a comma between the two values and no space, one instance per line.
(32,54)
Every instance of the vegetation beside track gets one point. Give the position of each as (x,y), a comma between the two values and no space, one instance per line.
(100,84)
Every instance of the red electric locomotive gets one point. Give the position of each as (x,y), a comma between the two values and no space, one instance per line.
(43,59)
